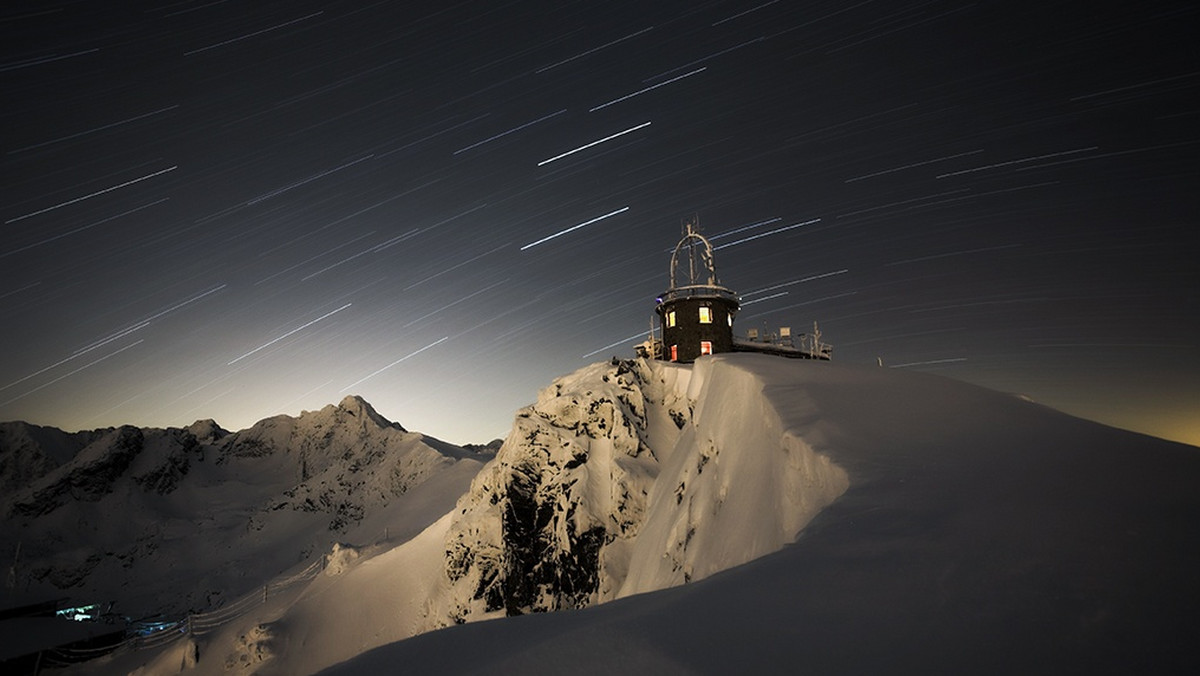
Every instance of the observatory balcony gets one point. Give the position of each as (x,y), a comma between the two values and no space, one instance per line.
(698,291)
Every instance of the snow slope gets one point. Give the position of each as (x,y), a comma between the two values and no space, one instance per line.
(186,519)
(623,477)
(980,533)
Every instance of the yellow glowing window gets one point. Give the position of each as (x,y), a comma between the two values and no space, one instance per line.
(674,353)
(670,318)
(706,315)
(705,347)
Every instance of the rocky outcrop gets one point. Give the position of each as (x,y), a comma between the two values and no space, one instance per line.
(29,452)
(88,477)
(181,448)
(571,480)
(629,476)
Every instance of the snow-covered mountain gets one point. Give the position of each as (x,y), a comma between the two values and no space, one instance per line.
(182,519)
(979,533)
(750,513)
(626,477)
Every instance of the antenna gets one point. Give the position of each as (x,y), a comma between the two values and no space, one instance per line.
(699,253)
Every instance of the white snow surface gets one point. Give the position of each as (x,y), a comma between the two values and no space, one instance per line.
(752,514)
(736,484)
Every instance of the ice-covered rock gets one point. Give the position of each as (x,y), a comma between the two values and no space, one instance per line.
(630,476)
(570,481)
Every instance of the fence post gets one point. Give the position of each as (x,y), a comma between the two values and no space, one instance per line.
(264,593)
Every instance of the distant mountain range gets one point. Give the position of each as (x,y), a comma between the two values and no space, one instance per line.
(177,519)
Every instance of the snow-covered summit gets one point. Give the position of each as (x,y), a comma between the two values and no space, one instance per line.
(357,406)
(207,431)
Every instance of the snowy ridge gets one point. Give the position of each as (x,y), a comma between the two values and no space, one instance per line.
(102,514)
(980,533)
(31,451)
(623,477)
(627,477)
(736,485)
(567,488)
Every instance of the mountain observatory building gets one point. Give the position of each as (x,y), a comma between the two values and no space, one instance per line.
(695,314)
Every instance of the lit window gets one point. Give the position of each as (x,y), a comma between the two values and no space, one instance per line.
(706,315)
(705,347)
(674,353)
(670,319)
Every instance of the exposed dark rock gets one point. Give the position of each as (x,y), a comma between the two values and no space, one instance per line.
(29,452)
(489,448)
(532,533)
(165,477)
(89,477)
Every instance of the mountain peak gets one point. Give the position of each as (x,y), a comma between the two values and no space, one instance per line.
(353,402)
(207,430)
(357,406)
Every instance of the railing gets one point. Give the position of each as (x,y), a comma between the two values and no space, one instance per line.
(194,624)
(699,291)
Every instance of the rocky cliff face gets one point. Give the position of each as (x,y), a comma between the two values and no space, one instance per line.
(629,476)
(97,468)
(99,513)
(570,481)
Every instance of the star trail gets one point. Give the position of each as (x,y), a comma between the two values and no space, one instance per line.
(232,210)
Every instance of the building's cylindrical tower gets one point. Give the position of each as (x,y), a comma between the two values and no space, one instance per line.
(696,313)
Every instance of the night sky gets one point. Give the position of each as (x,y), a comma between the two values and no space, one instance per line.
(232,210)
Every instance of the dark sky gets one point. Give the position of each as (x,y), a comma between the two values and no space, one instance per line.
(238,209)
